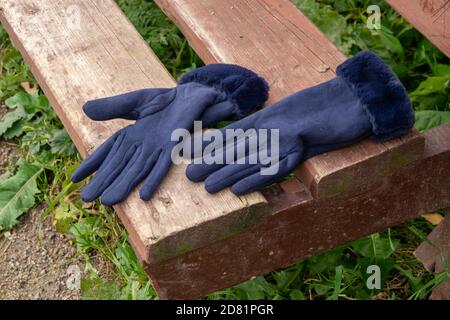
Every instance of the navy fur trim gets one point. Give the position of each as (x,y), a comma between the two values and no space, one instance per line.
(384,98)
(244,88)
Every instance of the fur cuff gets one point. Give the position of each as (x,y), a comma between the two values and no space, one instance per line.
(244,88)
(383,96)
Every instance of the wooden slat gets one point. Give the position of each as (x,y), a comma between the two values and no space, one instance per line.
(435,254)
(270,36)
(103,57)
(299,226)
(430,17)
(358,169)
(275,39)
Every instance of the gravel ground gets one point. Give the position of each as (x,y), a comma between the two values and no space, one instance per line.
(8,155)
(8,149)
(37,262)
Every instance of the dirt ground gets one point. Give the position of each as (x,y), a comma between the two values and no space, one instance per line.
(37,262)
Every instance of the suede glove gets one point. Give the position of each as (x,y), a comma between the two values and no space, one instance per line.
(143,150)
(365,99)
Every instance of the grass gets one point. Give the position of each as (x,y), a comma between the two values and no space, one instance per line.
(48,157)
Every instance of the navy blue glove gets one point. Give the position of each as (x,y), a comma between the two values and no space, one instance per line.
(143,150)
(365,99)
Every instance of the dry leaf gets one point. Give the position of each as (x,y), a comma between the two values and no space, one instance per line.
(433,218)
(28,88)
(323,68)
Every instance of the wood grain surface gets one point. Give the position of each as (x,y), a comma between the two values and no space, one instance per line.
(435,254)
(299,227)
(429,17)
(100,56)
(275,39)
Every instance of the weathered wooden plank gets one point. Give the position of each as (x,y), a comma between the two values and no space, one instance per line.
(441,292)
(354,169)
(299,226)
(276,40)
(430,17)
(435,255)
(104,55)
(272,37)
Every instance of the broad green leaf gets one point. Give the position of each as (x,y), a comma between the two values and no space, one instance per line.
(375,247)
(40,102)
(44,157)
(400,70)
(61,143)
(428,119)
(432,85)
(435,101)
(328,21)
(325,261)
(134,290)
(31,103)
(81,232)
(296,294)
(89,233)
(99,289)
(17,194)
(64,215)
(129,262)
(391,42)
(282,278)
(441,70)
(256,289)
(5,175)
(15,131)
(10,118)
(21,98)
(322,289)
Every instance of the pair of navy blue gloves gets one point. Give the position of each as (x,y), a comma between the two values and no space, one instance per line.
(365,99)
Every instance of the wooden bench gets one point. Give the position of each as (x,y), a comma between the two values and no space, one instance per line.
(192,243)
(435,256)
(432,19)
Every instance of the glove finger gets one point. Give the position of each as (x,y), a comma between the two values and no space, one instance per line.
(108,173)
(156,175)
(228,175)
(129,179)
(199,172)
(126,105)
(202,144)
(194,146)
(256,181)
(214,159)
(95,160)
(201,168)
(110,192)
(216,113)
